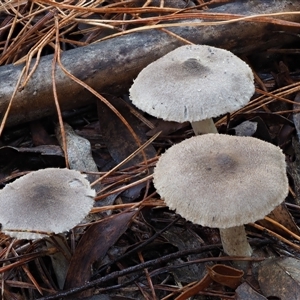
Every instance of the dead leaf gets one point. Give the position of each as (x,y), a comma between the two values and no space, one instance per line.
(283,77)
(281,215)
(246,292)
(261,130)
(280,277)
(24,158)
(45,150)
(117,137)
(79,151)
(285,134)
(93,246)
(246,128)
(184,238)
(39,134)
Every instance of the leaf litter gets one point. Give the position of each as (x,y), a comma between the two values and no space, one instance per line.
(131,246)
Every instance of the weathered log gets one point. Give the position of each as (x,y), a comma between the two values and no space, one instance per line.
(111,65)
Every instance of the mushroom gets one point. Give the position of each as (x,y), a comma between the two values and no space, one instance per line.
(223,181)
(193,83)
(44,202)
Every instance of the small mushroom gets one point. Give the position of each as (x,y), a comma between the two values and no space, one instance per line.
(193,83)
(47,201)
(223,181)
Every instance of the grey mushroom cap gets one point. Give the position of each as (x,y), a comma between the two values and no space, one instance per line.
(48,200)
(193,83)
(222,181)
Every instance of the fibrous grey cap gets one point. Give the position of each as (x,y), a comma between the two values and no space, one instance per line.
(49,200)
(222,181)
(193,83)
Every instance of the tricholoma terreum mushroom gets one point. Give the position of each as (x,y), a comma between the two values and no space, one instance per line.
(223,181)
(49,200)
(193,83)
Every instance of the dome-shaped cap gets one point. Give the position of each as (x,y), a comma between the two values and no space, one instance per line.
(193,83)
(49,200)
(222,181)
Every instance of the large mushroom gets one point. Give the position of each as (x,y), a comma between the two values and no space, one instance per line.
(193,83)
(223,181)
(44,202)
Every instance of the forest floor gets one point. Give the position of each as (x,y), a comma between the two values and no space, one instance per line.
(131,246)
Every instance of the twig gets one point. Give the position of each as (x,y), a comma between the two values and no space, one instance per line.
(150,263)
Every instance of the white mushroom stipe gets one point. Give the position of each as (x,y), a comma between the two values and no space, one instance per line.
(193,83)
(234,241)
(49,200)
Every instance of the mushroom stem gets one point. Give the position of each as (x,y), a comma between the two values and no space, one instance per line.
(204,126)
(234,241)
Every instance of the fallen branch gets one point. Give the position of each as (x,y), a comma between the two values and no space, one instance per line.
(111,65)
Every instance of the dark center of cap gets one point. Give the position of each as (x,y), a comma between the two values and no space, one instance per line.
(194,68)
